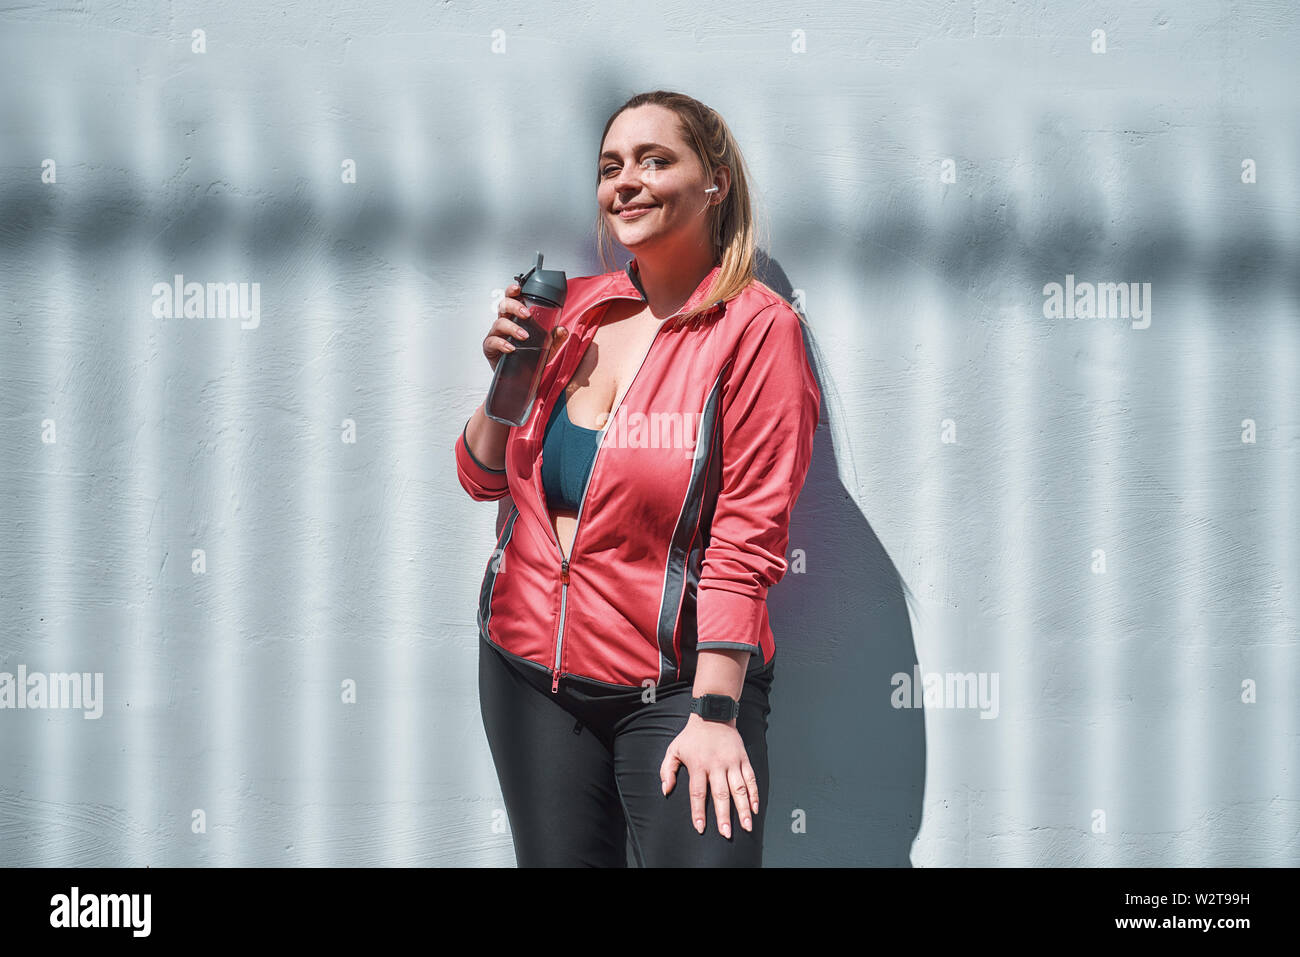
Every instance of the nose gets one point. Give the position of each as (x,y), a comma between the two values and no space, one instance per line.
(628,180)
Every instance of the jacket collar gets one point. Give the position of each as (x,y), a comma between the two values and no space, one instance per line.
(630,282)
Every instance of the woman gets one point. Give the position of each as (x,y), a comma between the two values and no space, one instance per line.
(623,617)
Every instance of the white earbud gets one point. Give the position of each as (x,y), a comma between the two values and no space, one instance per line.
(712,189)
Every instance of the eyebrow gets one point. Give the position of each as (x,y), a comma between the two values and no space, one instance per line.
(611,154)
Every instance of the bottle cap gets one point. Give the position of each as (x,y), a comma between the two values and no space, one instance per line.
(548,284)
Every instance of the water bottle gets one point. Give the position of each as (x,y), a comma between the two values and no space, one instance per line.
(514,383)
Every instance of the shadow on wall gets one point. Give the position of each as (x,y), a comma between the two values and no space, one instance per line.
(848,769)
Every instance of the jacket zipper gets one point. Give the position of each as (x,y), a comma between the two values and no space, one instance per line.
(577,522)
(564,591)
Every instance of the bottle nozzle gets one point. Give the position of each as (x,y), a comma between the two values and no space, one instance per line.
(548,284)
(537,267)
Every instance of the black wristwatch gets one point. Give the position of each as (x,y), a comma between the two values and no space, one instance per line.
(715,707)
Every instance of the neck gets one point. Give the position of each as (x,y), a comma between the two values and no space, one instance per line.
(669,283)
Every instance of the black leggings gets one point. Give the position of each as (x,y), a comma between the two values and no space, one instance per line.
(579,769)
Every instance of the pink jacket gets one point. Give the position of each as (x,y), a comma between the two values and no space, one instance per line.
(684,522)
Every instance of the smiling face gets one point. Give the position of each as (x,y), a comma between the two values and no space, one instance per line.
(651,189)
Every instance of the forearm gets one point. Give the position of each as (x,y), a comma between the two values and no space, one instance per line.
(720,672)
(486,439)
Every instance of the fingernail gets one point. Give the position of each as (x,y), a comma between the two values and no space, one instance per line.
(699,825)
(726,830)
(747,824)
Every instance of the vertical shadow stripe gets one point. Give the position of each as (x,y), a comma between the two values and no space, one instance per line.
(490,574)
(691,536)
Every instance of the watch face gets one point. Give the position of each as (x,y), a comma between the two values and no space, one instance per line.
(716,707)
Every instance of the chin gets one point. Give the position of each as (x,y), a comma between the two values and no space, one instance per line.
(629,238)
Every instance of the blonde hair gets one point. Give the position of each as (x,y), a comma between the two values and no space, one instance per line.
(731,222)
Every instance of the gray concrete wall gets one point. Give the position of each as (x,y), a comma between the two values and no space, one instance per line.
(1100,517)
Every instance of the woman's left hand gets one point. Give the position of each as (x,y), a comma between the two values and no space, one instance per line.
(715,758)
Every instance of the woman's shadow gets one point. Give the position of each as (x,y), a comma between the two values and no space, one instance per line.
(848,768)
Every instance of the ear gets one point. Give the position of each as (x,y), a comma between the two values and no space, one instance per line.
(721,179)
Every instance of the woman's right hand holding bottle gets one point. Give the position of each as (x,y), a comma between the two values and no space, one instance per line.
(504,332)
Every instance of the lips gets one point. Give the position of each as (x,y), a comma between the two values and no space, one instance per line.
(628,212)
